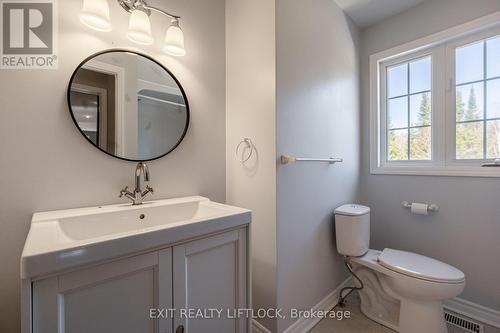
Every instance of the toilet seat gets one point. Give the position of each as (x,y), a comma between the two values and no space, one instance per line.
(419,266)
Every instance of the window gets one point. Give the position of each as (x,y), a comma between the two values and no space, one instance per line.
(436,110)
(477,93)
(409,107)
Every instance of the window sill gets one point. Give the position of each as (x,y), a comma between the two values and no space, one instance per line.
(438,171)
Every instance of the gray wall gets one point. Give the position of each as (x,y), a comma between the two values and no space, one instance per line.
(317,115)
(250,112)
(47,164)
(465,231)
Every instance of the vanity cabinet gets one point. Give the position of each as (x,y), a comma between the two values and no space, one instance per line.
(206,273)
(211,274)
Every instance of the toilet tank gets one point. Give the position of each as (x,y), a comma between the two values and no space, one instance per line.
(352,228)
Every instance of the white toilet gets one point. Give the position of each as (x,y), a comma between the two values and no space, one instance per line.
(402,290)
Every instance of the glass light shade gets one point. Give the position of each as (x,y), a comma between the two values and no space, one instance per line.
(139,28)
(95,14)
(174,40)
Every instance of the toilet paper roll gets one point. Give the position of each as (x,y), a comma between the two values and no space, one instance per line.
(419,208)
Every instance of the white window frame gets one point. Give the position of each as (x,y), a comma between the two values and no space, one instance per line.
(436,55)
(441,47)
(451,96)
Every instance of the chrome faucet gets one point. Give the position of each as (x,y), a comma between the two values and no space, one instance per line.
(138,195)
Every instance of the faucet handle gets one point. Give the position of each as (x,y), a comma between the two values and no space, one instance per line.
(148,190)
(123,192)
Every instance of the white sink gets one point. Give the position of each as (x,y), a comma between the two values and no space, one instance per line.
(63,239)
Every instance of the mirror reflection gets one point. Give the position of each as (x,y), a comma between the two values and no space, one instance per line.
(128,105)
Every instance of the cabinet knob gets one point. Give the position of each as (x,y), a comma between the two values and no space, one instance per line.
(180,329)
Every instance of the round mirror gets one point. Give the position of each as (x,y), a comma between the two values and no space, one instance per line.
(128,105)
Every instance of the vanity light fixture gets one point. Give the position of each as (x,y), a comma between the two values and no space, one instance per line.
(139,28)
(95,14)
(174,40)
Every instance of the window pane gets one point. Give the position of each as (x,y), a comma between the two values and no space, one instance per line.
(420,109)
(420,143)
(493,99)
(470,63)
(420,75)
(493,139)
(398,145)
(398,112)
(469,138)
(493,57)
(397,80)
(470,102)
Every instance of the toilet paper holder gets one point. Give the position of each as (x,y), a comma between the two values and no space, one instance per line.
(430,208)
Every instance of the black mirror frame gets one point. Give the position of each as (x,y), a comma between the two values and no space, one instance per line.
(188,114)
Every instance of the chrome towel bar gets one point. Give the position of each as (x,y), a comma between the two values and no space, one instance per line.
(285,159)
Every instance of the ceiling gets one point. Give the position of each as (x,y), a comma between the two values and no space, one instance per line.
(368,12)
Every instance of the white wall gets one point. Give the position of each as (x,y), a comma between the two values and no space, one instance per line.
(250,72)
(317,116)
(313,72)
(45,162)
(465,231)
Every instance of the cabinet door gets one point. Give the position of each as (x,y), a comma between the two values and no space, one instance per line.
(211,274)
(113,297)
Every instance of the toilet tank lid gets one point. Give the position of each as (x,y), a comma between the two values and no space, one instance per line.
(352,210)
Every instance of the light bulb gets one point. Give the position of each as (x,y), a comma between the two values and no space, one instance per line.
(95,14)
(139,28)
(174,40)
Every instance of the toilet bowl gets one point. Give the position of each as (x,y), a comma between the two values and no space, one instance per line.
(402,290)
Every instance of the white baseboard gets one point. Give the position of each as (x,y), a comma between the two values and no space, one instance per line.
(258,327)
(304,325)
(473,311)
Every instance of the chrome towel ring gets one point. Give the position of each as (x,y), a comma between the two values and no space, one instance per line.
(249,145)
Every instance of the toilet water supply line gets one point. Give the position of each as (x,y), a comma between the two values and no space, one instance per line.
(342,298)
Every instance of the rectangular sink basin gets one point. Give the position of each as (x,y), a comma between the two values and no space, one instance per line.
(147,216)
(63,239)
